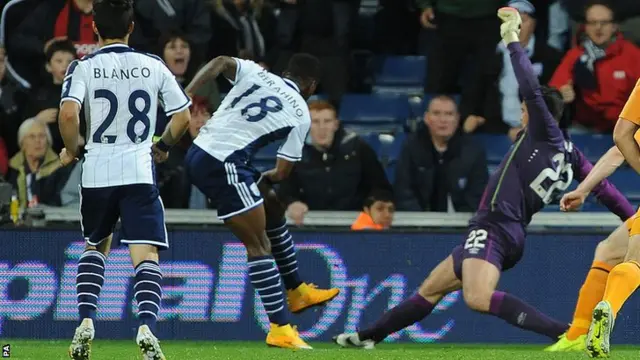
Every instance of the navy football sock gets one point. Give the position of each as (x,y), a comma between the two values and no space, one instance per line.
(148,292)
(266,281)
(520,314)
(89,282)
(284,252)
(405,314)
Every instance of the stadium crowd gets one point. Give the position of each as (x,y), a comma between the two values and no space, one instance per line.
(584,49)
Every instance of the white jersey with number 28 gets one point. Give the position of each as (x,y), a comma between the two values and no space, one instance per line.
(120,89)
(260,108)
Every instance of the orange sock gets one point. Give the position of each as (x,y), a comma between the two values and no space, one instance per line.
(623,281)
(590,295)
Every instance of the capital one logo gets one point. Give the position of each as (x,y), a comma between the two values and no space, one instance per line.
(200,295)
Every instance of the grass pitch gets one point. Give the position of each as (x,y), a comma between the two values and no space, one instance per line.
(188,350)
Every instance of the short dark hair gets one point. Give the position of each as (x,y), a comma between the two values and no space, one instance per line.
(60,46)
(171,36)
(304,67)
(113,18)
(553,100)
(604,3)
(378,195)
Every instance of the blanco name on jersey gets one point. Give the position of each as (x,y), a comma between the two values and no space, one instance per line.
(260,108)
(121,89)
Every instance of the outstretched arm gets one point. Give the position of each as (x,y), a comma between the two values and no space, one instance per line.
(226,65)
(593,180)
(541,125)
(606,165)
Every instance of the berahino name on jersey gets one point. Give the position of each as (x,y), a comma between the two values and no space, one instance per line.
(286,95)
(122,74)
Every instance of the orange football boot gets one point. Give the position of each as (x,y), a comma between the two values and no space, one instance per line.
(286,337)
(306,296)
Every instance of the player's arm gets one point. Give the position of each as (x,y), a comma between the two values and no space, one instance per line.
(541,122)
(176,127)
(593,180)
(289,153)
(605,166)
(225,65)
(626,128)
(176,106)
(69,124)
(73,91)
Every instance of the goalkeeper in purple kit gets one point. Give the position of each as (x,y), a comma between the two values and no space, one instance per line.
(537,169)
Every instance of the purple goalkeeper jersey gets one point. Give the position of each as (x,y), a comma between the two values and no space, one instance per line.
(541,164)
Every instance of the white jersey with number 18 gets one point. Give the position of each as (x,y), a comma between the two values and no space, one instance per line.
(260,108)
(120,89)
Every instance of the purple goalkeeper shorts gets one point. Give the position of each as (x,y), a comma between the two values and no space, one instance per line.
(501,245)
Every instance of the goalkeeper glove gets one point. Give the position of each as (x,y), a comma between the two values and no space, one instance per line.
(510,28)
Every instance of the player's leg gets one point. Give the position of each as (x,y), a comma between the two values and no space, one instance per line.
(479,280)
(248,227)
(99,216)
(143,230)
(300,295)
(609,253)
(441,281)
(487,252)
(240,205)
(623,281)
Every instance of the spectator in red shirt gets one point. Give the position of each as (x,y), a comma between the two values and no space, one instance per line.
(51,20)
(598,75)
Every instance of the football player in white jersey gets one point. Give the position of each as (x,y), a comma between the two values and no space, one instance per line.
(119,88)
(260,108)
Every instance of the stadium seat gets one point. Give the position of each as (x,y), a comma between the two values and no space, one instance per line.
(391,151)
(626,180)
(496,146)
(369,113)
(374,141)
(402,71)
(593,145)
(401,75)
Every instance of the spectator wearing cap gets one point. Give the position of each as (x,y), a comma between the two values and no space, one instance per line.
(440,168)
(598,75)
(497,97)
(377,212)
(338,169)
(50,21)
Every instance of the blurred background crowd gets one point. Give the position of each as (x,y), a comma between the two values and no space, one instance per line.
(417,103)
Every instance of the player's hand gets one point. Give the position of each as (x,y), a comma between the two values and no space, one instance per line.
(159,156)
(473,122)
(572,201)
(511,21)
(568,93)
(426,17)
(48,116)
(296,211)
(67,158)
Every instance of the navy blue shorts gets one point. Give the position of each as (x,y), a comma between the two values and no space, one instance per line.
(231,185)
(138,206)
